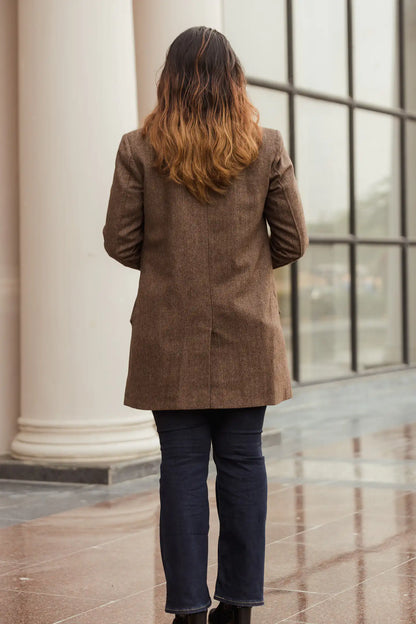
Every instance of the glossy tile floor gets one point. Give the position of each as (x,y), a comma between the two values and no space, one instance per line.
(341,527)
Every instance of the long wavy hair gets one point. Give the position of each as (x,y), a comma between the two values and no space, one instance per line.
(204,129)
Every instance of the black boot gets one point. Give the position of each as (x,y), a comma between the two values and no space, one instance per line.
(229,614)
(191,618)
(242,615)
(222,614)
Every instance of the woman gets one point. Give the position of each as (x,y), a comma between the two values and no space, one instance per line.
(192,194)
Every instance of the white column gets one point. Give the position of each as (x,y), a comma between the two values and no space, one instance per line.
(77,96)
(411,155)
(9,227)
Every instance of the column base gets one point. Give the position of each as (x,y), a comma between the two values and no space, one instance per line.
(87,442)
(105,473)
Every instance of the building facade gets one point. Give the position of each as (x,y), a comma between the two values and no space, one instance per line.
(337,77)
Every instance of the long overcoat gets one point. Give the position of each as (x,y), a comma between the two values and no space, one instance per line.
(205,324)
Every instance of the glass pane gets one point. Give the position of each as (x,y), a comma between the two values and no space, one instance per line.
(273,108)
(377,174)
(282,277)
(322,164)
(410,53)
(257,34)
(412,303)
(379,306)
(320,45)
(324,299)
(411,178)
(375,51)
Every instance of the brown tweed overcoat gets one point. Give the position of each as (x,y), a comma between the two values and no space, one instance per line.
(206,330)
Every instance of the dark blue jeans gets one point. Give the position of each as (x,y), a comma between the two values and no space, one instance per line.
(241,496)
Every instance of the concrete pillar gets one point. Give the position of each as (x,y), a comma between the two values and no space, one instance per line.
(77,96)
(9,227)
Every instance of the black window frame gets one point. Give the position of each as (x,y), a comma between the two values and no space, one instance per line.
(352,239)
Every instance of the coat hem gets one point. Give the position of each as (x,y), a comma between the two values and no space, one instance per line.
(174,405)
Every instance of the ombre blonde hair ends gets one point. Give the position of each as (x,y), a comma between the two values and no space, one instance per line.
(204,129)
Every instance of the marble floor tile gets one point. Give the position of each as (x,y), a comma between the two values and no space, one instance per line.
(18,607)
(386,598)
(340,531)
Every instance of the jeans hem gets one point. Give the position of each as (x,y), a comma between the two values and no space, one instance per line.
(239,603)
(179,611)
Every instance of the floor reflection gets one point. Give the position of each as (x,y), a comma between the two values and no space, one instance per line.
(341,537)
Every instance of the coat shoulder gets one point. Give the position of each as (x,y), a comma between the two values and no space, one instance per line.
(138,147)
(134,137)
(272,138)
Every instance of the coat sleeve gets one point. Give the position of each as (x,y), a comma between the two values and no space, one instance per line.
(283,211)
(124,226)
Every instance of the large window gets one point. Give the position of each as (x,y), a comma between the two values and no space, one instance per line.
(338,79)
